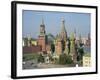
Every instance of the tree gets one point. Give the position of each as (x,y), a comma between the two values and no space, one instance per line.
(80,49)
(62,59)
(40,58)
(52,48)
(65,59)
(69,59)
(80,53)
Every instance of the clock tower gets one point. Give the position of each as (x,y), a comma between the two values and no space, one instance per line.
(42,37)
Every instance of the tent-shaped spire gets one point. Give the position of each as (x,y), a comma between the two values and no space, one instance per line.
(42,27)
(42,22)
(63,30)
(63,26)
(72,36)
(75,33)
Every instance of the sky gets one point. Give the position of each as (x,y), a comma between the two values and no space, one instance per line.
(31,21)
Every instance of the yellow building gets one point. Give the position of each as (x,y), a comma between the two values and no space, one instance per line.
(87,60)
(34,42)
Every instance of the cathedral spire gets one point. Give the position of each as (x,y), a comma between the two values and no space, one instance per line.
(88,36)
(63,26)
(42,22)
(63,33)
(75,33)
(80,39)
(73,51)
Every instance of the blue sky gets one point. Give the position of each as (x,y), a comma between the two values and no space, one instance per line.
(31,21)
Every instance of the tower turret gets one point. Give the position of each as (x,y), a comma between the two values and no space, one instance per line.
(63,34)
(42,37)
(73,48)
(42,28)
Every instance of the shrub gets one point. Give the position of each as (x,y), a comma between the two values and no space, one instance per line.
(69,59)
(40,58)
(65,59)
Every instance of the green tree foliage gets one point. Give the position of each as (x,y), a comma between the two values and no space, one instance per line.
(40,58)
(56,60)
(62,59)
(30,56)
(52,48)
(65,59)
(69,59)
(80,53)
(50,57)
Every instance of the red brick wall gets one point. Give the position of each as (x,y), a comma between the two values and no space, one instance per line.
(31,49)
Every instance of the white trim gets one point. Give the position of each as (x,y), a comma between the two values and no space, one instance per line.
(34,72)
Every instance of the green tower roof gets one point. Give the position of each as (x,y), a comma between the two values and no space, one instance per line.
(72,36)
